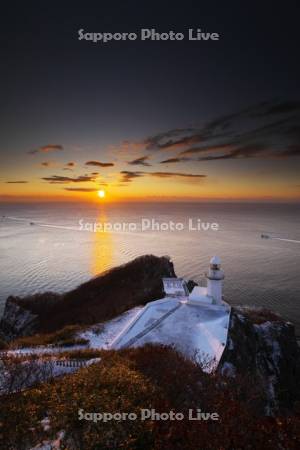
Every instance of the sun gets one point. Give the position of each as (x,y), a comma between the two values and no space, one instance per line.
(101,193)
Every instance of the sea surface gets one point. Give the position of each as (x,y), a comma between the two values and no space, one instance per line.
(50,246)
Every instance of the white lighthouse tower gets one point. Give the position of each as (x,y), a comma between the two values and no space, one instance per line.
(215,277)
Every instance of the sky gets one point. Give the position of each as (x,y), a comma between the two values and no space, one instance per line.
(155,119)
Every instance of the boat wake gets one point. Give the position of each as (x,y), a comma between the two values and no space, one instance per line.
(268,236)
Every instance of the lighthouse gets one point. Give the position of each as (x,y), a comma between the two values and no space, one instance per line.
(215,277)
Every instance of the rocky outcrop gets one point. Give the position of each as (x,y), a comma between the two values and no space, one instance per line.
(97,300)
(16,321)
(262,347)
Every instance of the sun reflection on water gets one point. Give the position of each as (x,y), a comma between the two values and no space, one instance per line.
(102,248)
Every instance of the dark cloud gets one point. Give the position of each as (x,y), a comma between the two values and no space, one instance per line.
(50,148)
(32,152)
(225,121)
(233,135)
(99,164)
(210,148)
(17,182)
(81,189)
(173,160)
(54,179)
(291,150)
(46,149)
(277,128)
(48,164)
(247,151)
(282,108)
(69,166)
(142,161)
(293,131)
(174,139)
(128,176)
(175,175)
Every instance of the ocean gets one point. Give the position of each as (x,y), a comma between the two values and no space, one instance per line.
(51,246)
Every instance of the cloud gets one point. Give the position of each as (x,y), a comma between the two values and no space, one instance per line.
(291,150)
(173,160)
(281,108)
(17,182)
(99,164)
(128,176)
(75,189)
(265,128)
(175,175)
(142,161)
(48,164)
(246,151)
(69,166)
(209,148)
(293,131)
(46,149)
(57,179)
(174,139)
(32,152)
(50,148)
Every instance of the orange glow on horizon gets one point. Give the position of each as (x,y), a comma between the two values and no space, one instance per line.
(154,190)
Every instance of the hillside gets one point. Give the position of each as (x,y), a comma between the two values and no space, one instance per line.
(97,300)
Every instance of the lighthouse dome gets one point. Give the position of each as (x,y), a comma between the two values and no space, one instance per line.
(215,261)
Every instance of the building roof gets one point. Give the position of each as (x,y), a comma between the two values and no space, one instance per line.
(215,260)
(196,329)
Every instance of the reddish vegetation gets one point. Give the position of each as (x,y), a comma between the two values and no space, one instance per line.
(65,337)
(148,377)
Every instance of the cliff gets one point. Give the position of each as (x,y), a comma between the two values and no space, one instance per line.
(262,347)
(17,321)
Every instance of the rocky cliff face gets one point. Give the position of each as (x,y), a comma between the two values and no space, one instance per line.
(16,321)
(262,347)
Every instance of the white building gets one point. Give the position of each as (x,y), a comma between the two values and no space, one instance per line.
(195,323)
(212,294)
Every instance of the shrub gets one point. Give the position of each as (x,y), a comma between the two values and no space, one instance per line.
(133,379)
(19,372)
(260,315)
